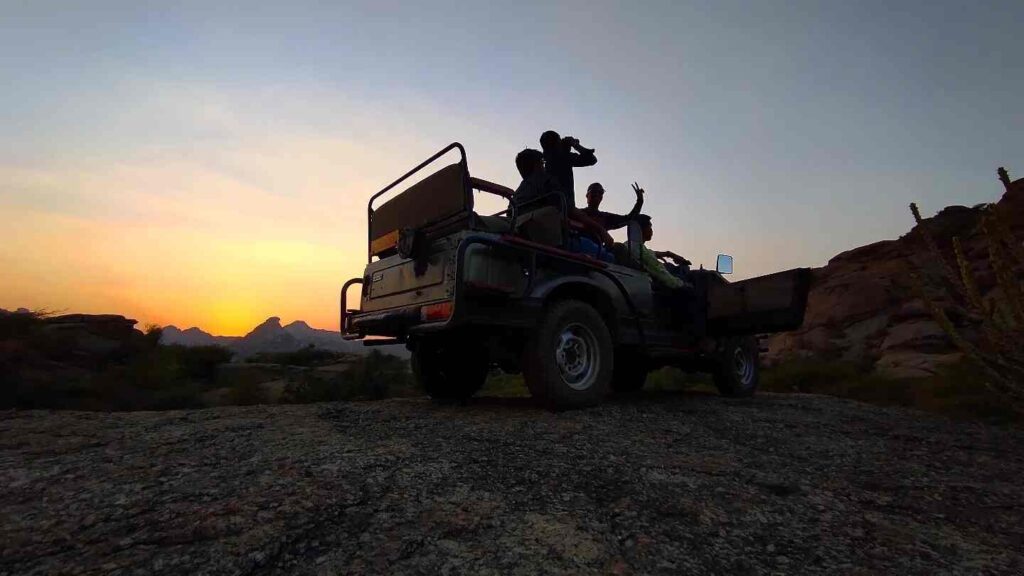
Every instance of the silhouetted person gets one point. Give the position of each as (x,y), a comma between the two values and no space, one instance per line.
(561,155)
(538,204)
(650,258)
(685,296)
(607,220)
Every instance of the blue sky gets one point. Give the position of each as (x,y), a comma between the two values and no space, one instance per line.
(782,133)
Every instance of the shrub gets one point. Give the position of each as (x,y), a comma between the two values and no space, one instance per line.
(502,385)
(371,377)
(247,393)
(809,375)
(376,374)
(199,362)
(670,379)
(308,356)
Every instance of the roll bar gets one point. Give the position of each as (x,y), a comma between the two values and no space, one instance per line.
(442,152)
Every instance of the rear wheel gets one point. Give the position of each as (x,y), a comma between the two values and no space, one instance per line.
(450,369)
(568,361)
(737,372)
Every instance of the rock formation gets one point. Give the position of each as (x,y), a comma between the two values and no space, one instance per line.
(861,308)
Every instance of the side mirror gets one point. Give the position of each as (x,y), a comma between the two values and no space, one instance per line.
(724,264)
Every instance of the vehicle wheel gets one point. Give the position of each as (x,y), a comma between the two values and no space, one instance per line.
(737,372)
(568,362)
(630,371)
(449,370)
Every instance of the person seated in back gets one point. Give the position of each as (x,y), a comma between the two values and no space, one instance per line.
(538,203)
(607,220)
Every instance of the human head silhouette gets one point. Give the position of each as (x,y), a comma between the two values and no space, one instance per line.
(550,141)
(595,193)
(529,161)
(646,227)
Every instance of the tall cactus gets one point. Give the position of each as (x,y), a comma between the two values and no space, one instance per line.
(996,342)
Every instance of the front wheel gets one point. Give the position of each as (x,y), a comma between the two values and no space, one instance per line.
(737,371)
(449,369)
(568,362)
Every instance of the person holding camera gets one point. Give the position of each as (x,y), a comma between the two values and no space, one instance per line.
(539,213)
(561,155)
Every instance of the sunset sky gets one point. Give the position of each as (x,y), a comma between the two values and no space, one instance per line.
(208,163)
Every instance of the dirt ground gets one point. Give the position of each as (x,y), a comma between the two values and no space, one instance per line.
(661,484)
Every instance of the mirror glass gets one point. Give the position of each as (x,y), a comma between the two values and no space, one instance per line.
(724,264)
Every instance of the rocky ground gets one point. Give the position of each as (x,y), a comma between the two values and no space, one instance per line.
(663,484)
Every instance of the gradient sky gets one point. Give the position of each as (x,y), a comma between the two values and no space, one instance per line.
(208,163)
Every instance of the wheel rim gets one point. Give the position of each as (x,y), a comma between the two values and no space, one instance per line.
(743,365)
(577,357)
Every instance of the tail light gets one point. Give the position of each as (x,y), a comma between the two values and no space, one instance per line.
(436,312)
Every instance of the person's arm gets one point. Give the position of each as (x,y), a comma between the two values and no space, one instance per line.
(678,259)
(591,225)
(657,269)
(582,157)
(614,221)
(639,202)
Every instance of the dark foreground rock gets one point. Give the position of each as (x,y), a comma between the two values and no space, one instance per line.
(664,484)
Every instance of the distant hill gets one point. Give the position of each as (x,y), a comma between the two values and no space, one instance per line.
(271,336)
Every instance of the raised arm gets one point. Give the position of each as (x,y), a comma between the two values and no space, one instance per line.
(639,202)
(582,156)
(583,159)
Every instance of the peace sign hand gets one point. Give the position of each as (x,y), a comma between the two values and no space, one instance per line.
(639,191)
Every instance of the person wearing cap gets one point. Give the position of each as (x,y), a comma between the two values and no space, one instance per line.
(609,221)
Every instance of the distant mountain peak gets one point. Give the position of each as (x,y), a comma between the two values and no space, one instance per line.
(269,336)
(269,326)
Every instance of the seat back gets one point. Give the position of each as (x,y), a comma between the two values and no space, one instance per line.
(443,196)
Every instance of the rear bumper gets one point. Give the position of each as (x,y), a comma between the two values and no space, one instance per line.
(395,323)
(403,322)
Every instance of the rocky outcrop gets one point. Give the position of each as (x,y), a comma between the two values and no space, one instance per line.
(94,334)
(861,307)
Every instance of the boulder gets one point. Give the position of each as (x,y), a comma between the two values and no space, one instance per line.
(922,335)
(911,364)
(861,307)
(89,338)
